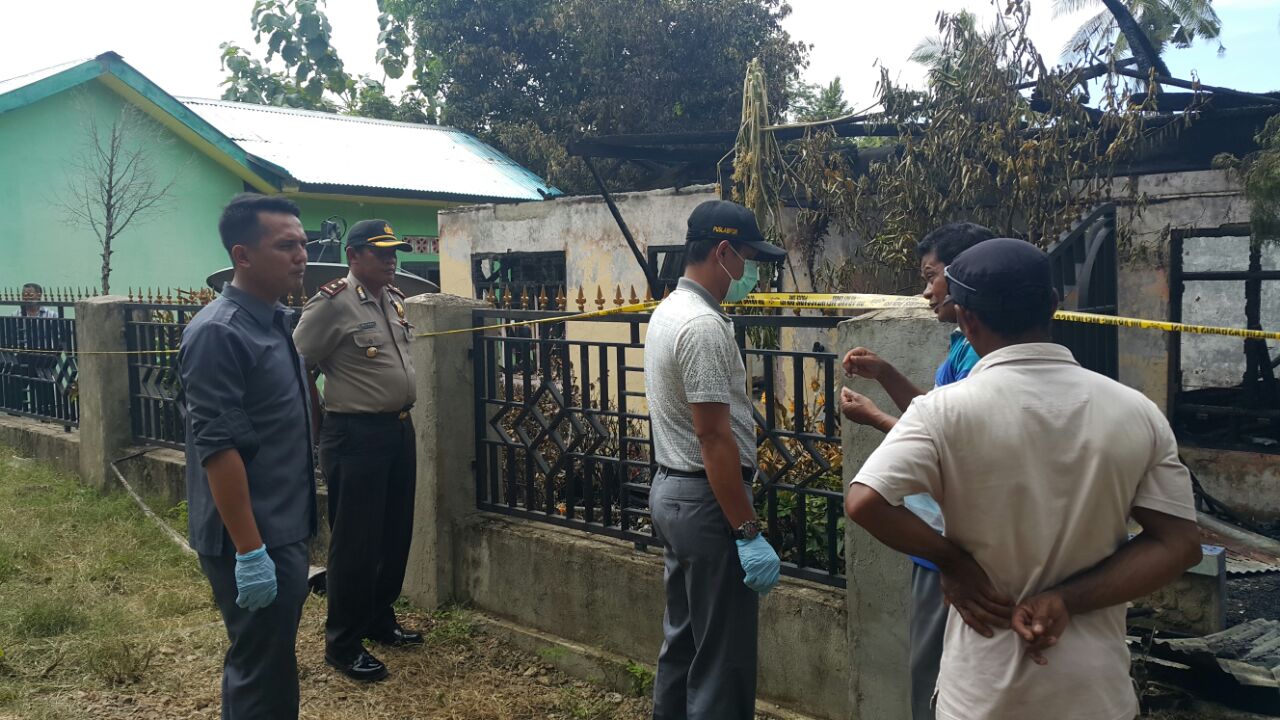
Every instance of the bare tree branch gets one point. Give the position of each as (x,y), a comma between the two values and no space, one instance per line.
(113,181)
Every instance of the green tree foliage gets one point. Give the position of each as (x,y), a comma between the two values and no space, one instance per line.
(529,75)
(1177,23)
(994,137)
(811,102)
(1260,174)
(930,51)
(297,32)
(1023,161)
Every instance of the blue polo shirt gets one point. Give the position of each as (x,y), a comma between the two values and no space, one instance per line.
(961,358)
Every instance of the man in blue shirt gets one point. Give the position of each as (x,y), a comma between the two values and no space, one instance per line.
(928,618)
(250,481)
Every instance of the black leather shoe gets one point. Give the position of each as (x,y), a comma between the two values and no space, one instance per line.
(364,667)
(397,637)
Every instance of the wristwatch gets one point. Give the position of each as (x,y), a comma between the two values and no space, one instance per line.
(747,530)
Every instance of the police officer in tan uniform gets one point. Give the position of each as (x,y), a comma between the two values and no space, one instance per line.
(354,332)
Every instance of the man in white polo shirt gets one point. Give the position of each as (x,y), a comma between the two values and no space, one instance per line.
(717,563)
(1037,465)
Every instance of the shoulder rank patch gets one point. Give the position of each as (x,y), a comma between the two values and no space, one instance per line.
(396,291)
(333,287)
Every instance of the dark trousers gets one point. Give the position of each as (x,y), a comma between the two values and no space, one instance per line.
(927,626)
(260,671)
(370,465)
(707,665)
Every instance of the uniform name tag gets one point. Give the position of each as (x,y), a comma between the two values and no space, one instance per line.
(367,325)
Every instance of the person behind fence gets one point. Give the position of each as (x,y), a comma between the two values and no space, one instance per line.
(1037,465)
(354,331)
(927,619)
(250,478)
(32,294)
(717,563)
(29,381)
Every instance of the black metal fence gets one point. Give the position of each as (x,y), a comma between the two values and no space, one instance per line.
(38,374)
(153,333)
(563,436)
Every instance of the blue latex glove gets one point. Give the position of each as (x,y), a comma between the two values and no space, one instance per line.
(255,579)
(760,563)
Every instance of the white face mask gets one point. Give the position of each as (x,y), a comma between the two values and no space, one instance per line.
(740,287)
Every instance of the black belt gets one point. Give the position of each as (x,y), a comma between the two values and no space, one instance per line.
(748,473)
(393,415)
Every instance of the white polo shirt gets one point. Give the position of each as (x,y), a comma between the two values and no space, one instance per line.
(1036,463)
(690,357)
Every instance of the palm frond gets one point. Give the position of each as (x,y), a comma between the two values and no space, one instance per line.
(1092,35)
(927,52)
(1067,7)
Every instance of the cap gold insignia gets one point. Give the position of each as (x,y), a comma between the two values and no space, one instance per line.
(387,229)
(371,352)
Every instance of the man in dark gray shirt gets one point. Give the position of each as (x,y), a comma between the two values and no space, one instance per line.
(250,480)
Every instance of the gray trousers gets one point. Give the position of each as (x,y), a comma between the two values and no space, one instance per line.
(707,665)
(928,625)
(260,671)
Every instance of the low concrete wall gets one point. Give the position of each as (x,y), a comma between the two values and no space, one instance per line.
(159,475)
(50,443)
(1245,482)
(1196,603)
(605,593)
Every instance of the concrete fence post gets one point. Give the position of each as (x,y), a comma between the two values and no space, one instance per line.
(444,418)
(878,578)
(103,385)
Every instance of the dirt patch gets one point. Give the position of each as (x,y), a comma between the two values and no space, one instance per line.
(460,673)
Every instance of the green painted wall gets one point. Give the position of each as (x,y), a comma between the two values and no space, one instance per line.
(179,248)
(39,145)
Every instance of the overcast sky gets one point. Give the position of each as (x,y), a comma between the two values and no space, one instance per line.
(175,42)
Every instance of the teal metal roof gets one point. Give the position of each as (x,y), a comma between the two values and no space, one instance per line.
(306,151)
(112,70)
(344,153)
(21,81)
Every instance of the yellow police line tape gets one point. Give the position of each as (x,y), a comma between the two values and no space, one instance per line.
(865,302)
(77,353)
(789,301)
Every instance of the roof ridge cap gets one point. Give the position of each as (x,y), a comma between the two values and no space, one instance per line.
(257,107)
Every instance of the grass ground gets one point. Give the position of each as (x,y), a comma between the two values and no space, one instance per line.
(102,617)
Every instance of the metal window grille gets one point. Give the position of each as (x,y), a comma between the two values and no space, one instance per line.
(667,262)
(1223,391)
(517,279)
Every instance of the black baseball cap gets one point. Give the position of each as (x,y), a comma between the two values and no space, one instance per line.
(375,233)
(999,274)
(724,220)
